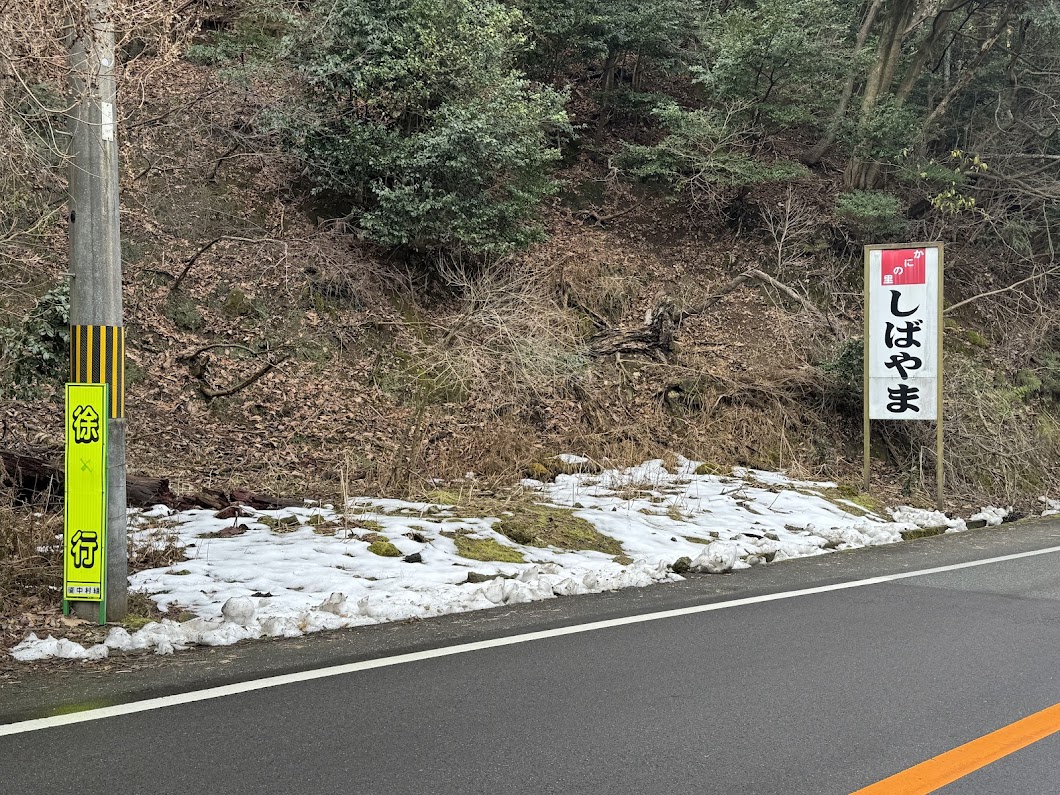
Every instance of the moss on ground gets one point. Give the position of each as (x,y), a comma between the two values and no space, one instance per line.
(142,611)
(852,494)
(444,497)
(384,549)
(549,468)
(280,524)
(545,526)
(366,524)
(486,549)
(708,468)
(922,532)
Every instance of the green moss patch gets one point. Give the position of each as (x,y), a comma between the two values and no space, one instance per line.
(384,549)
(486,549)
(281,524)
(546,526)
(142,611)
(547,469)
(851,494)
(366,524)
(922,532)
(707,468)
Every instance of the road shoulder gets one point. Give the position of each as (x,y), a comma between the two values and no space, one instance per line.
(39,690)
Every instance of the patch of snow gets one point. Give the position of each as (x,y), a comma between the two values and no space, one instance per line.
(34,648)
(718,558)
(239,610)
(993,515)
(569,458)
(314,571)
(1052,507)
(924,519)
(780,479)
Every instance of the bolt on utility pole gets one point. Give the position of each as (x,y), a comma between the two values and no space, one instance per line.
(97,333)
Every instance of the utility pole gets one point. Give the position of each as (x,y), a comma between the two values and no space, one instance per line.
(97,334)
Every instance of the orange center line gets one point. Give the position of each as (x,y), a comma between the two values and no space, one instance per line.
(946,768)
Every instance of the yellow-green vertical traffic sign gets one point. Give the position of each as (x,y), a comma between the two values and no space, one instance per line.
(85,537)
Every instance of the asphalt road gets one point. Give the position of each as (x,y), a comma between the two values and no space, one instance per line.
(821,693)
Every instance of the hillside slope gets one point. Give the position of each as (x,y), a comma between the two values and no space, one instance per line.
(272,346)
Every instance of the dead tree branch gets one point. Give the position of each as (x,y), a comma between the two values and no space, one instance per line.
(999,290)
(210,394)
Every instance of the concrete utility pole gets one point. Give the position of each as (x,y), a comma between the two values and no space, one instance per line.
(95,265)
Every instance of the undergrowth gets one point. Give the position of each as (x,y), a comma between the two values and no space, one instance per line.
(30,559)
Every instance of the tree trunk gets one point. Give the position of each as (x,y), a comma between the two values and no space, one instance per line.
(861,172)
(813,157)
(37,481)
(967,74)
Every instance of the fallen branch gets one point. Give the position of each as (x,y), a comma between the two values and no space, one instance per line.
(191,261)
(206,247)
(592,216)
(38,481)
(209,393)
(1000,290)
(805,302)
(35,480)
(215,346)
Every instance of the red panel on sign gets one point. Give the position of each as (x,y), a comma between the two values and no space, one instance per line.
(904,266)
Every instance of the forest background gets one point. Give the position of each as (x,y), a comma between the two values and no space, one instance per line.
(373,246)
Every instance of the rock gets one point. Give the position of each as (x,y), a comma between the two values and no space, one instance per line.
(682,565)
(975,524)
(239,610)
(415,557)
(474,578)
(231,512)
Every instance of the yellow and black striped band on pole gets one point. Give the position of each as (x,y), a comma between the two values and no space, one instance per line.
(97,356)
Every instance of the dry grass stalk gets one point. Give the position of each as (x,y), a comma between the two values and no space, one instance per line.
(30,558)
(507,340)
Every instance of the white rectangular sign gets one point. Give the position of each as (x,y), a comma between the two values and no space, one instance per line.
(106,113)
(903,287)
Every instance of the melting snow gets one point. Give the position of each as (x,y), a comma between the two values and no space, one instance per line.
(301,570)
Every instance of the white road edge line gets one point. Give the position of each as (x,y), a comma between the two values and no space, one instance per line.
(400,659)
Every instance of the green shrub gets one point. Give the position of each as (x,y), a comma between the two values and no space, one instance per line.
(37,351)
(871,216)
(250,40)
(845,371)
(420,123)
(1042,382)
(702,155)
(781,60)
